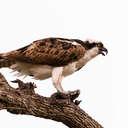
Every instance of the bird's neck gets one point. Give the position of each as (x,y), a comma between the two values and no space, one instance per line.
(89,54)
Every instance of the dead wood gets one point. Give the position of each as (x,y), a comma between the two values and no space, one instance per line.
(59,107)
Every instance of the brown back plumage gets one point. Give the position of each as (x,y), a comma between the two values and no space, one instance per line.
(49,51)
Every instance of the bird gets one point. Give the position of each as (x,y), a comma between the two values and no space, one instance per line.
(52,57)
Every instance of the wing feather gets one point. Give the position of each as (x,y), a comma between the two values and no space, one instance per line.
(49,51)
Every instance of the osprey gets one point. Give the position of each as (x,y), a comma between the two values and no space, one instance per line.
(52,57)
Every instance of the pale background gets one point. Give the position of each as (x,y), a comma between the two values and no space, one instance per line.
(103,97)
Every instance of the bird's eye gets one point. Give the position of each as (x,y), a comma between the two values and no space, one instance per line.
(99,44)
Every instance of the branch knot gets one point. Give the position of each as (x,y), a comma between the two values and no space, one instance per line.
(27,88)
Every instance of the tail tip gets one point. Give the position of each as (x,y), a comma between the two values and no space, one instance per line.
(1,57)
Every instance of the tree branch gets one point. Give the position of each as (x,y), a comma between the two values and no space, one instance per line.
(59,107)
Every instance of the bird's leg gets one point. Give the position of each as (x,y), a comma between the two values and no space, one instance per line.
(57,79)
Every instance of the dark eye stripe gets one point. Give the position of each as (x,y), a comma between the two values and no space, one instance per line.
(90,45)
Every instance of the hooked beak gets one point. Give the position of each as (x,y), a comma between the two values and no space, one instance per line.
(103,51)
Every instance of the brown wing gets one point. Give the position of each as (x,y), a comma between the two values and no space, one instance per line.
(50,51)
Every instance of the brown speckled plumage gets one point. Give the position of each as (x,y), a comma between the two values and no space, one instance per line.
(49,51)
(51,57)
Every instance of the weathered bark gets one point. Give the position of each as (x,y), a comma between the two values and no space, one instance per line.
(58,107)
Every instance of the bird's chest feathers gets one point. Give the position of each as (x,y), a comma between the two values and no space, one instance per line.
(71,68)
(82,62)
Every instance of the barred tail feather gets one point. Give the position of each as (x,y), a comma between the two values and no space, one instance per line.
(1,61)
(4,62)
(1,56)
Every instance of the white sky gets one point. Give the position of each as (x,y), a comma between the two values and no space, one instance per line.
(23,21)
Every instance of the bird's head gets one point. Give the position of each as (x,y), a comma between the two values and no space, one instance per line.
(95,47)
